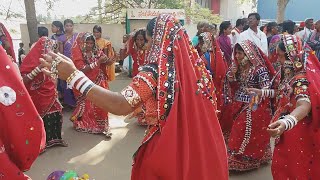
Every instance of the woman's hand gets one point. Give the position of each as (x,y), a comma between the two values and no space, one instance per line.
(276,129)
(254,90)
(103,59)
(110,61)
(234,68)
(65,67)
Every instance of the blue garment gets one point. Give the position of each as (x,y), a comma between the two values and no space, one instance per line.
(207,56)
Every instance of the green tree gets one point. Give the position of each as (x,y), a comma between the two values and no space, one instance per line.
(114,12)
(7,11)
(196,13)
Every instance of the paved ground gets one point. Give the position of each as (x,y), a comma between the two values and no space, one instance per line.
(106,159)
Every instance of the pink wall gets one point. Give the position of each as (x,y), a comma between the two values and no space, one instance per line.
(215,6)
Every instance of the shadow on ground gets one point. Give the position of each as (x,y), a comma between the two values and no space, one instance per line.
(106,159)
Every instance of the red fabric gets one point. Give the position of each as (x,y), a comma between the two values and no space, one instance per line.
(77,55)
(248,144)
(190,145)
(87,117)
(219,68)
(10,51)
(257,58)
(313,76)
(21,128)
(42,88)
(8,170)
(258,149)
(296,154)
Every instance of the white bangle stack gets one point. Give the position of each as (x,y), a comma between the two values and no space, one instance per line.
(93,65)
(267,93)
(34,73)
(80,81)
(290,121)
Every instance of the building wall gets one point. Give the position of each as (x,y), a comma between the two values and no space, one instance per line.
(232,10)
(297,10)
(227,9)
(114,31)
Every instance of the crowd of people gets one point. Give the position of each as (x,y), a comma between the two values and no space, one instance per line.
(211,103)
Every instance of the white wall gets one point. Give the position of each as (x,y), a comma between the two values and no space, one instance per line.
(114,31)
(232,10)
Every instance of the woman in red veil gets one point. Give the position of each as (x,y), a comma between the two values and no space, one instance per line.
(42,90)
(87,57)
(245,117)
(21,129)
(6,42)
(137,49)
(212,56)
(296,120)
(182,141)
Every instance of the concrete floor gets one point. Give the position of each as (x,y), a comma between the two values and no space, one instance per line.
(106,159)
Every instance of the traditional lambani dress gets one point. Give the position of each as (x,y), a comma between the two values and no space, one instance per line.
(213,58)
(296,154)
(21,129)
(106,46)
(249,143)
(182,141)
(42,90)
(87,117)
(139,60)
(138,56)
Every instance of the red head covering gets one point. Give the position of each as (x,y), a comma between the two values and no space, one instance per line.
(5,32)
(42,88)
(256,56)
(313,76)
(79,47)
(217,65)
(78,54)
(21,128)
(190,145)
(138,56)
(304,59)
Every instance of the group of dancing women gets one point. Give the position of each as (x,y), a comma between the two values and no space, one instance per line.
(206,113)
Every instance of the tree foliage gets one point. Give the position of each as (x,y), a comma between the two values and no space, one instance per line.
(114,12)
(196,13)
(7,11)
